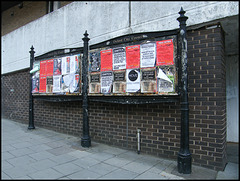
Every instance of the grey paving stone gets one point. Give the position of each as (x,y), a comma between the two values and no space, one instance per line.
(86,162)
(6,165)
(62,158)
(84,174)
(130,155)
(6,155)
(67,168)
(60,150)
(43,164)
(79,154)
(22,160)
(7,148)
(150,176)
(46,174)
(5,176)
(120,174)
(137,167)
(231,172)
(102,156)
(40,147)
(41,155)
(21,151)
(19,171)
(102,168)
(117,161)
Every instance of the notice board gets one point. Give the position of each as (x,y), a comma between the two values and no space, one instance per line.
(144,67)
(59,75)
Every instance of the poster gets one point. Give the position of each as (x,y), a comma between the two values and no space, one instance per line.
(35,82)
(94,85)
(119,81)
(165,52)
(133,57)
(42,83)
(133,80)
(43,68)
(49,67)
(165,80)
(147,55)
(74,64)
(49,85)
(119,58)
(57,83)
(106,82)
(148,80)
(57,69)
(106,60)
(75,87)
(94,61)
(67,65)
(64,65)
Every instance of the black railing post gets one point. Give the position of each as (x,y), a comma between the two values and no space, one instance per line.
(184,155)
(86,140)
(31,117)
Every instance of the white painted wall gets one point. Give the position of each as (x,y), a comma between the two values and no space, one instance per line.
(232,86)
(64,28)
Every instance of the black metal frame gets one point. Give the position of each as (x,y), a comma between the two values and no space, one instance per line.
(184,155)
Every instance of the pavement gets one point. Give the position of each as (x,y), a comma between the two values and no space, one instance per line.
(46,154)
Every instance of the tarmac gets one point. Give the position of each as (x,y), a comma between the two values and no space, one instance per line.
(45,154)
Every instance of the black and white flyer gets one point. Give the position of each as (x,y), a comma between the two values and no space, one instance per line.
(94,83)
(148,80)
(106,82)
(94,61)
(133,80)
(119,58)
(119,81)
(57,83)
(147,55)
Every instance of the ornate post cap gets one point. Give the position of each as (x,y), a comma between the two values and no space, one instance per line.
(32,50)
(182,19)
(85,38)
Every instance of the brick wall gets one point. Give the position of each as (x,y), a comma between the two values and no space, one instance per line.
(207,97)
(117,124)
(15,95)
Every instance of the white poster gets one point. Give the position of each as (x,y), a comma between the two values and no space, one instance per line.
(73,64)
(119,58)
(106,82)
(164,84)
(133,80)
(57,83)
(64,65)
(147,55)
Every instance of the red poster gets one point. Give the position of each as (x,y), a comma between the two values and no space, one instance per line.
(133,57)
(42,85)
(43,68)
(49,67)
(165,52)
(106,60)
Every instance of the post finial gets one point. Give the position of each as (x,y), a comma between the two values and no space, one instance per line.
(182,18)
(32,50)
(85,38)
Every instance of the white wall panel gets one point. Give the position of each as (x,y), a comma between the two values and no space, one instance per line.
(64,28)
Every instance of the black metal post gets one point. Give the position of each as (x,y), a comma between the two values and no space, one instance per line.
(86,140)
(31,118)
(184,155)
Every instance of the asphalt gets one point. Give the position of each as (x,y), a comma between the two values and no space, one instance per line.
(46,154)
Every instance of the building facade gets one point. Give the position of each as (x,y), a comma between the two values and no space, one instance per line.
(212,35)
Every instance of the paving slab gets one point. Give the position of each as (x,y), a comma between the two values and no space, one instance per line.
(120,174)
(45,154)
